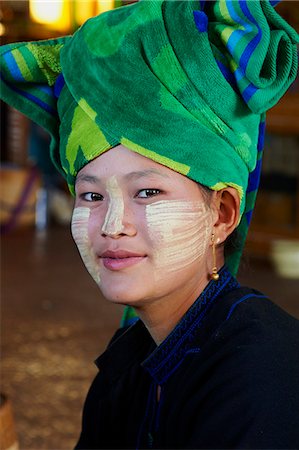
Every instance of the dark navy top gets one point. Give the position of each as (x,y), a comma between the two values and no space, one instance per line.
(228,372)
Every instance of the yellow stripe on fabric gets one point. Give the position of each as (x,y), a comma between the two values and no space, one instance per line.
(224,12)
(226,34)
(85,134)
(221,185)
(22,65)
(227,15)
(89,111)
(233,65)
(174,165)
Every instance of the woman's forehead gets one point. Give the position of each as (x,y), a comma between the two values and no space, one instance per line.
(127,164)
(127,167)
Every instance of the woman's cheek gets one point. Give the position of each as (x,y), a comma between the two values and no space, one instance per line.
(80,233)
(180,233)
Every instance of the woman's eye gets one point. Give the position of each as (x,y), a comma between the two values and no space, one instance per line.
(147,193)
(92,197)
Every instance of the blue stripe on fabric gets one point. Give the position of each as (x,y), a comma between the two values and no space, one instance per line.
(274,2)
(239,74)
(233,307)
(248,216)
(254,177)
(237,34)
(228,75)
(234,38)
(234,15)
(39,102)
(34,99)
(13,67)
(233,41)
(246,55)
(248,92)
(254,42)
(60,82)
(46,89)
(261,137)
(201,21)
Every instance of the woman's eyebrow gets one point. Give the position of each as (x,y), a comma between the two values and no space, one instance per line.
(136,174)
(144,173)
(88,178)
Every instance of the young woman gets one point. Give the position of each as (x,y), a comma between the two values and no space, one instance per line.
(156,112)
(210,364)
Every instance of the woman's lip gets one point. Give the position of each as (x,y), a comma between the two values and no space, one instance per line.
(121,263)
(119,254)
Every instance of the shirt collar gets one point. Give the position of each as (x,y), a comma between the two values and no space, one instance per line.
(164,360)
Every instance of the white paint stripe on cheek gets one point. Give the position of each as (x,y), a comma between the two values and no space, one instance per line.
(113,223)
(180,231)
(80,221)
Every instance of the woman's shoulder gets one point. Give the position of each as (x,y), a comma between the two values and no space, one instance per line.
(256,331)
(246,374)
(248,309)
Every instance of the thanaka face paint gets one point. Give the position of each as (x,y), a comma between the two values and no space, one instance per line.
(163,227)
(80,221)
(180,232)
(113,223)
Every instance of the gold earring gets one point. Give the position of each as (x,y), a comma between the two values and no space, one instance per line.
(214,274)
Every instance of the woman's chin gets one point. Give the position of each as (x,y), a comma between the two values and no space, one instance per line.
(127,288)
(120,296)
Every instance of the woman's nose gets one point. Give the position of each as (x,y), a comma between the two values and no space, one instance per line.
(117,221)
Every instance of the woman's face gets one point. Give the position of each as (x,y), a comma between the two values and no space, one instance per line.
(143,230)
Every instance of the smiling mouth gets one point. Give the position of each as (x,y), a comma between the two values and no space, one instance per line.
(120,259)
(118,263)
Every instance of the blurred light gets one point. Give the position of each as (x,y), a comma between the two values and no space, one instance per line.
(63,15)
(105,5)
(54,13)
(84,9)
(2,29)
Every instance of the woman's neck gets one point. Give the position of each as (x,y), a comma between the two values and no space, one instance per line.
(161,317)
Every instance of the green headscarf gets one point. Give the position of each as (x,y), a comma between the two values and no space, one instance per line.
(184,83)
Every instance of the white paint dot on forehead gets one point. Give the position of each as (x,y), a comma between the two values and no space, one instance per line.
(180,231)
(113,223)
(80,221)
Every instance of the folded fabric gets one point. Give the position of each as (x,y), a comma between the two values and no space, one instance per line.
(184,83)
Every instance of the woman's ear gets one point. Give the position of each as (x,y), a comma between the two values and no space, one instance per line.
(227,208)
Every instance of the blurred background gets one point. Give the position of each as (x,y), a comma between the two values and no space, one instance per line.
(54,322)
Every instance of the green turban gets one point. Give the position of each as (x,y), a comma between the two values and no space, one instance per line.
(184,83)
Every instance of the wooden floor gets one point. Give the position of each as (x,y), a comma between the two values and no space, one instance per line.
(55,323)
